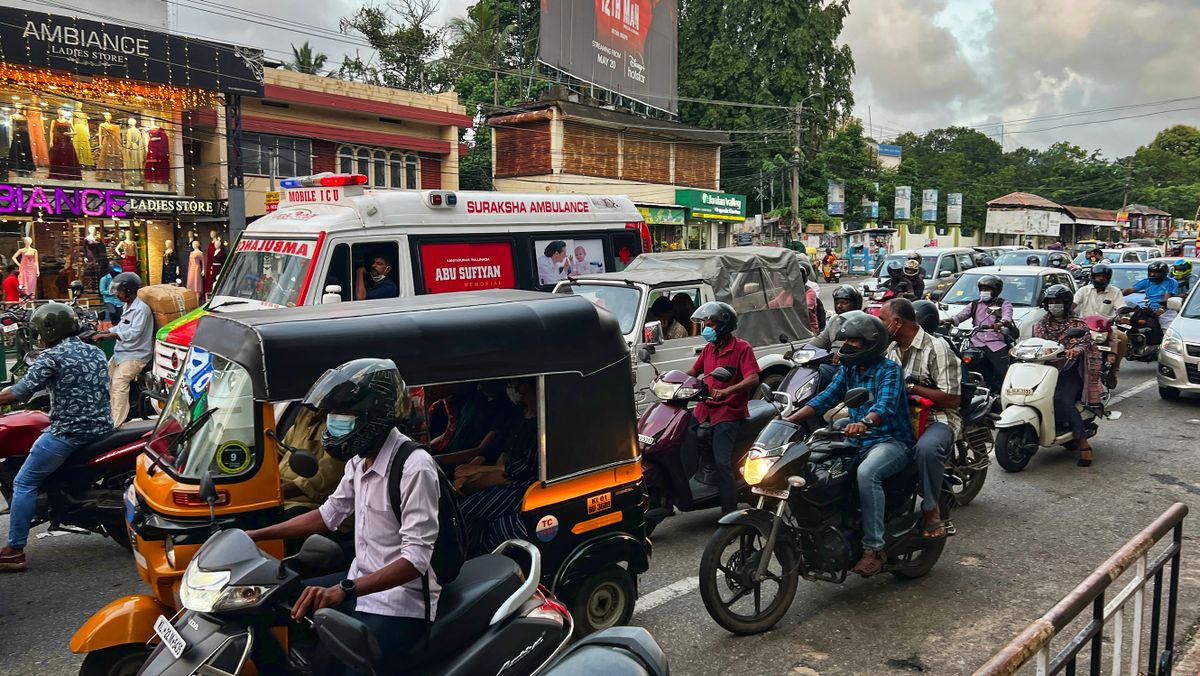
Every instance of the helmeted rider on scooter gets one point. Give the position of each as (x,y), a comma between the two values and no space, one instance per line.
(77,377)
(992,342)
(1181,272)
(896,281)
(727,406)
(914,275)
(846,298)
(1101,299)
(1158,288)
(1079,373)
(882,427)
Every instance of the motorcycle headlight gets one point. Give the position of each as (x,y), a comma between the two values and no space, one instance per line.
(805,391)
(668,391)
(210,591)
(757,465)
(1172,341)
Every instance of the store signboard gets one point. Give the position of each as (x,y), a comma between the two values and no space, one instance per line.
(48,200)
(663,215)
(173,205)
(712,205)
(85,47)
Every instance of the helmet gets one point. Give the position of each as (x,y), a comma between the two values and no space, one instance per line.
(914,256)
(1101,269)
(369,389)
(807,269)
(52,322)
(1182,269)
(848,293)
(115,269)
(719,312)
(982,260)
(927,315)
(1057,262)
(894,269)
(1157,271)
(828,250)
(992,282)
(1058,293)
(1032,260)
(128,282)
(912,267)
(870,330)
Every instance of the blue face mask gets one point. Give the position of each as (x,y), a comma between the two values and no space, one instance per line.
(338,426)
(709,334)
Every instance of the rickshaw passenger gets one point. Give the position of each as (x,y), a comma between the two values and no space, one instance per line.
(483,421)
(301,494)
(493,513)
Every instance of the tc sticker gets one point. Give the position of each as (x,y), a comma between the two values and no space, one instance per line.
(233,457)
(600,503)
(547,528)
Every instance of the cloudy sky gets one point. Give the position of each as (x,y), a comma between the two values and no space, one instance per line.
(1105,74)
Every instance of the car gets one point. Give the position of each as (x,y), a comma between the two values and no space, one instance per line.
(1044,256)
(996,251)
(940,267)
(1023,287)
(1179,355)
(1126,255)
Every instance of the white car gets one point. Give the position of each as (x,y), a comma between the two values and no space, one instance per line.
(1023,287)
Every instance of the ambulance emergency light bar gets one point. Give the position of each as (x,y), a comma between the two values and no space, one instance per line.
(324,180)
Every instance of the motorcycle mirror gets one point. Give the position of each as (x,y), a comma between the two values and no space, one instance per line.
(208,490)
(859,396)
(320,553)
(645,353)
(1077,332)
(303,463)
(347,639)
(721,374)
(783,338)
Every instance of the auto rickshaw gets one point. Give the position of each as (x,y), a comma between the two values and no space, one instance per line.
(247,371)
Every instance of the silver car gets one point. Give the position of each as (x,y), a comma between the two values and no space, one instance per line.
(1179,355)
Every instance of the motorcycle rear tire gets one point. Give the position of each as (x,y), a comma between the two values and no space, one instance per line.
(924,562)
(972,479)
(1009,448)
(711,576)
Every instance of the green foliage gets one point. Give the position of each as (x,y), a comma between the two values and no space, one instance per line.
(405,47)
(304,60)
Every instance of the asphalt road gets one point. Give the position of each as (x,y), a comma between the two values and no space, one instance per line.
(1026,540)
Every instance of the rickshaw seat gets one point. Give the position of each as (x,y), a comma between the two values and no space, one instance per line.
(121,436)
(466,605)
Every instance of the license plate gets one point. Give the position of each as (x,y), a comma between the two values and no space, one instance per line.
(781,494)
(9,328)
(170,637)
(1104,348)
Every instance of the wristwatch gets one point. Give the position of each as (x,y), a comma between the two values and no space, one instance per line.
(868,422)
(347,586)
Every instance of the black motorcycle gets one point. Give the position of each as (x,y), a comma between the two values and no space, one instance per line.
(807,524)
(1145,332)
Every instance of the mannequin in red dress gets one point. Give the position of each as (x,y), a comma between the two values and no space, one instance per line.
(158,155)
(208,271)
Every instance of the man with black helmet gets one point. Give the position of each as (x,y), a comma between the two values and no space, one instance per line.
(728,404)
(882,427)
(74,374)
(135,342)
(391,586)
(915,276)
(846,298)
(1158,288)
(990,313)
(896,281)
(1101,299)
(1033,260)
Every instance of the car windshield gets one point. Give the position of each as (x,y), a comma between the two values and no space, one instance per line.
(269,271)
(1191,309)
(622,301)
(1110,256)
(207,425)
(927,263)
(1019,258)
(1020,290)
(1124,278)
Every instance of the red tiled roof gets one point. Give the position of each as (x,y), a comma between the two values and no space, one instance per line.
(1023,199)
(1091,213)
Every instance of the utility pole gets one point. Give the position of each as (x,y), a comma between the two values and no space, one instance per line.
(796,171)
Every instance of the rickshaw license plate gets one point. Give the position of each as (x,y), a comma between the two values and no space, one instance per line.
(9,328)
(781,494)
(170,637)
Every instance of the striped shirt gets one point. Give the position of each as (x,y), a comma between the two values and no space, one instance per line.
(935,365)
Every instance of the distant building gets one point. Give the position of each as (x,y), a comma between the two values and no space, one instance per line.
(1144,221)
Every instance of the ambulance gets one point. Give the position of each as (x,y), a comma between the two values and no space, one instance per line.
(326,241)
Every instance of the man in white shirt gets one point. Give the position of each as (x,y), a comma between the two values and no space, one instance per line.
(135,342)
(1101,299)
(390,587)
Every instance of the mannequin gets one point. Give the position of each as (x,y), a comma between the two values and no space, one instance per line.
(83,137)
(133,152)
(95,258)
(158,154)
(208,256)
(28,268)
(37,133)
(127,252)
(195,275)
(5,137)
(64,163)
(214,264)
(170,263)
(108,164)
(20,150)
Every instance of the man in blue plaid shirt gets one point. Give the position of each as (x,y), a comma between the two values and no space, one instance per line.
(882,427)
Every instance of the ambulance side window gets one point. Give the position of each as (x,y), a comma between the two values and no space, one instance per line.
(339,272)
(363,255)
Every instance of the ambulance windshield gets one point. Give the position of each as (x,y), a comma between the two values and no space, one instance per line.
(270,271)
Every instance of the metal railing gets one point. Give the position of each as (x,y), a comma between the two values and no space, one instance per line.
(1033,644)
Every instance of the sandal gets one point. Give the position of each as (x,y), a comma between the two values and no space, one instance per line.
(1085,457)
(933,528)
(870,564)
(13,563)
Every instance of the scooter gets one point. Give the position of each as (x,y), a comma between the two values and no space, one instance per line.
(1027,421)
(675,475)
(803,380)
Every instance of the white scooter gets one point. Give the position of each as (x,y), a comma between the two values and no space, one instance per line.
(1027,420)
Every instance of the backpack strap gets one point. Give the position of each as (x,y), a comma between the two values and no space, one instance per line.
(395,471)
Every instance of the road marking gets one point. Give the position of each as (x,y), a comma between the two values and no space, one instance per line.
(666,594)
(1136,389)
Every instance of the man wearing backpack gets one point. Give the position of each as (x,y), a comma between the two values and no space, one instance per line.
(391,586)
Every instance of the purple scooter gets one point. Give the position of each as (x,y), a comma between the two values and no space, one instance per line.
(675,474)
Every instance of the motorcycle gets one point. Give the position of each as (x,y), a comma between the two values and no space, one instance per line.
(1027,420)
(1145,333)
(833,272)
(674,473)
(875,299)
(967,465)
(806,524)
(803,380)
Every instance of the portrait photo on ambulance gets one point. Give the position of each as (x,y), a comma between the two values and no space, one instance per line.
(559,259)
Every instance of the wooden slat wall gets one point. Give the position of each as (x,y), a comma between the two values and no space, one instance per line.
(324,156)
(696,166)
(523,150)
(431,172)
(646,160)
(590,151)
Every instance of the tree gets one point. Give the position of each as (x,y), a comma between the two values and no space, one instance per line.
(304,60)
(405,47)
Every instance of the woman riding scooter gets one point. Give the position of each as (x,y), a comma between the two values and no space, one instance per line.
(1079,376)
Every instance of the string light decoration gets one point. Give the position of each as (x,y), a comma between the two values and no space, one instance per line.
(101,88)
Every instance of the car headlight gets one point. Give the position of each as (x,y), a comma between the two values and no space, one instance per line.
(210,591)
(1172,341)
(757,465)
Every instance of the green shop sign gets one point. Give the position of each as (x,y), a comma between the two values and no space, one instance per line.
(663,215)
(712,205)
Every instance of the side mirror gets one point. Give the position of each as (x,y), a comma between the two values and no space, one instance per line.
(208,490)
(859,396)
(320,553)
(652,333)
(944,274)
(333,294)
(645,352)
(1175,304)
(722,374)
(1077,332)
(347,639)
(303,462)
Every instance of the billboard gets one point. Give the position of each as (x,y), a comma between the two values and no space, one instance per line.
(625,46)
(836,199)
(903,210)
(929,205)
(954,208)
(870,207)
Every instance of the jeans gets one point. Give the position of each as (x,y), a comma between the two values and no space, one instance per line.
(931,452)
(1066,395)
(878,463)
(397,636)
(723,438)
(48,454)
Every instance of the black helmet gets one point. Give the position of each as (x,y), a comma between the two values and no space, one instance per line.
(369,389)
(1058,293)
(719,312)
(128,282)
(1057,262)
(870,330)
(807,269)
(850,294)
(928,316)
(982,260)
(894,269)
(1158,271)
(992,282)
(52,322)
(1101,269)
(1032,260)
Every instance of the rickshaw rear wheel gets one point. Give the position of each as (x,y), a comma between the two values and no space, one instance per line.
(120,660)
(605,599)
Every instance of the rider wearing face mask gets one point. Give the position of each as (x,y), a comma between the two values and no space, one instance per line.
(993,342)
(1079,374)
(727,406)
(1101,299)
